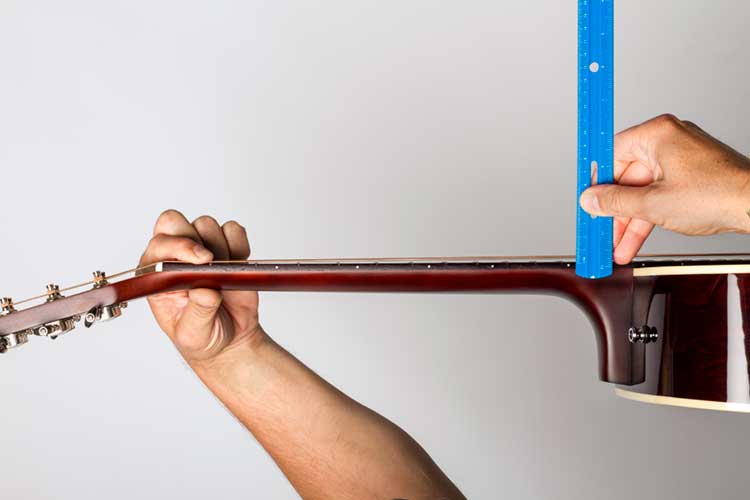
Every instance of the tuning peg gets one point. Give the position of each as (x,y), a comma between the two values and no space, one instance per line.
(92,316)
(111,312)
(57,328)
(103,313)
(12,340)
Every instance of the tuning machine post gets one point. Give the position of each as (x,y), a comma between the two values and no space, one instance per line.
(102,312)
(6,306)
(54,329)
(100,279)
(53,292)
(62,326)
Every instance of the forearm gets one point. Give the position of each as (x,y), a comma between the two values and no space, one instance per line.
(328,445)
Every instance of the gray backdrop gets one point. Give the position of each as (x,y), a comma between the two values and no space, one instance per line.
(335,129)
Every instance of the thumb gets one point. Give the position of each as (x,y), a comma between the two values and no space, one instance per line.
(201,331)
(613,200)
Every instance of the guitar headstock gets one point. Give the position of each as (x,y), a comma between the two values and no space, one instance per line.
(53,314)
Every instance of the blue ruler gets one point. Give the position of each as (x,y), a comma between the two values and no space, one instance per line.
(595,131)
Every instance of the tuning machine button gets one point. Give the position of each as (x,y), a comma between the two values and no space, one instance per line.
(91,317)
(12,340)
(56,328)
(103,313)
(111,312)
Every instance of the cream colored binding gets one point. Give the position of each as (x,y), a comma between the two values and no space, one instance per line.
(692,270)
(686,403)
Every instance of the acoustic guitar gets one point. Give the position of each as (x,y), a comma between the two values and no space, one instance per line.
(670,329)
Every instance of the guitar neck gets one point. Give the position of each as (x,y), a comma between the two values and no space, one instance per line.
(549,274)
(387,275)
(460,274)
(613,305)
(478,275)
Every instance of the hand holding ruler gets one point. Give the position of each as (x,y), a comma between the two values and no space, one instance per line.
(595,131)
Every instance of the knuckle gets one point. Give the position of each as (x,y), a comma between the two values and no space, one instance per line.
(614,201)
(650,204)
(203,311)
(152,244)
(159,240)
(668,122)
(164,242)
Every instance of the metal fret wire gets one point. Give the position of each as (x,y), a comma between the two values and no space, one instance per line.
(531,259)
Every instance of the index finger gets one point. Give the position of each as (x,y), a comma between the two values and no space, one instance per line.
(164,247)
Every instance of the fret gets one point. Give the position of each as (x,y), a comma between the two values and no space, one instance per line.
(416,275)
(667,263)
(615,305)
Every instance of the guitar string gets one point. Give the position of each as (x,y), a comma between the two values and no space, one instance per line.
(392,260)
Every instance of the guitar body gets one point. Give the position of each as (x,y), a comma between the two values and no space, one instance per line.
(701,357)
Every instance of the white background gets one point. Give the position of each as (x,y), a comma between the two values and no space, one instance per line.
(340,129)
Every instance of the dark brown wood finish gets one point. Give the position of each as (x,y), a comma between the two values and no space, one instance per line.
(704,347)
(607,302)
(693,358)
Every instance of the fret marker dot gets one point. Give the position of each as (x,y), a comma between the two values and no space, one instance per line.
(594,67)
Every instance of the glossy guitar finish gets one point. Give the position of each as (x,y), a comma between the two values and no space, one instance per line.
(607,302)
(701,357)
(699,306)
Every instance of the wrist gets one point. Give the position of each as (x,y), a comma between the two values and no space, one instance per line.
(241,352)
(246,376)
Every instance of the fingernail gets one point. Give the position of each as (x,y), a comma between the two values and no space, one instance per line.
(202,252)
(590,203)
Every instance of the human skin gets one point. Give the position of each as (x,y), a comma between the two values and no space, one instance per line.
(670,173)
(327,444)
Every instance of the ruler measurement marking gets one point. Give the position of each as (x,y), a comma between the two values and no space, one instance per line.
(595,131)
